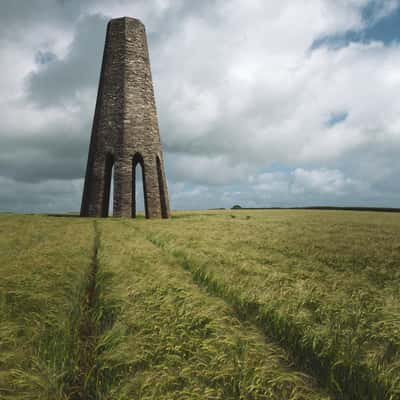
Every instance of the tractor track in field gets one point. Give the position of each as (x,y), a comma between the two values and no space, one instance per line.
(80,390)
(246,312)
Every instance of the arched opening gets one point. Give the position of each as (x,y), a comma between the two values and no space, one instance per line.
(108,173)
(164,211)
(138,159)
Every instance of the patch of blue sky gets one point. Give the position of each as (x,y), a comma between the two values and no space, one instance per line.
(44,57)
(385,30)
(336,118)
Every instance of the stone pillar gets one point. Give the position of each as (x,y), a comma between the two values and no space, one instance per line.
(125,129)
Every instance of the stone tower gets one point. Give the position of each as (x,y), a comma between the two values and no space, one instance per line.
(125,129)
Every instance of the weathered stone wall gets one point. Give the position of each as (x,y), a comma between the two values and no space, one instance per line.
(125,128)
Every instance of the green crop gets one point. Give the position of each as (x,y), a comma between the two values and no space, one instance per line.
(43,272)
(234,304)
(170,340)
(324,285)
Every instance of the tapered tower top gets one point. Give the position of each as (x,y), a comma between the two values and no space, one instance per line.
(130,19)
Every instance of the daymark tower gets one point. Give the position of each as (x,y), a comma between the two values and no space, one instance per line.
(125,129)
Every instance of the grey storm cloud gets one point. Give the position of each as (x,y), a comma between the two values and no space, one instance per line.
(250,111)
(59,80)
(18,18)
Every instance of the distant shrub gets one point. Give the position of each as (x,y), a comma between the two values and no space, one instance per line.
(236,207)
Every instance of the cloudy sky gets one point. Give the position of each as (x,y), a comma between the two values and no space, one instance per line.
(260,103)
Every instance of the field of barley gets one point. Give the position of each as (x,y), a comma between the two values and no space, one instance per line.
(243,304)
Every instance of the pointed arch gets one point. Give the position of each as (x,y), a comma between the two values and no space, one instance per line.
(108,169)
(138,159)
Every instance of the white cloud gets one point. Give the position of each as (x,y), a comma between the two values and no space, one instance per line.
(323,181)
(207,170)
(271,185)
(270,96)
